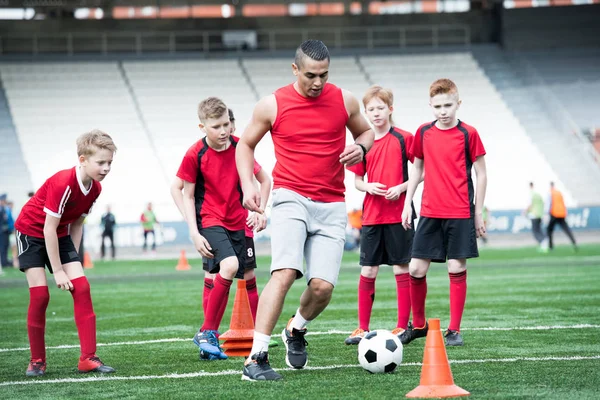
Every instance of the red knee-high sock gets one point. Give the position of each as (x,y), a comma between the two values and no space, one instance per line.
(458,295)
(418,294)
(216,303)
(208,285)
(85,319)
(252,296)
(39,296)
(403,297)
(366,297)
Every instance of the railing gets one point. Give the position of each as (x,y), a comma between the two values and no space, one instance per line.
(212,41)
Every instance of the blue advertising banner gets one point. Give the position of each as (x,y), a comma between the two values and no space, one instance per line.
(176,233)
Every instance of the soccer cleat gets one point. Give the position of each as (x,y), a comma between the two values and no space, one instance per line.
(207,356)
(93,364)
(397,332)
(411,333)
(257,368)
(295,347)
(209,345)
(355,337)
(453,338)
(36,368)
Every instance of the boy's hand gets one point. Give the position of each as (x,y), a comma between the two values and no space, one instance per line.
(261,222)
(202,246)
(479,225)
(252,199)
(407,217)
(62,280)
(376,188)
(393,193)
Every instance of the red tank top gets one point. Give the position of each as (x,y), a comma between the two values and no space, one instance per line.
(309,134)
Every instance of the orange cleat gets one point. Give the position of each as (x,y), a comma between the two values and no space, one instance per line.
(36,368)
(93,364)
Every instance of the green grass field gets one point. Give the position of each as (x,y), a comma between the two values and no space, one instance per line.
(531,329)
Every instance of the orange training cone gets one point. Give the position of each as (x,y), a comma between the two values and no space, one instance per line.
(238,339)
(436,376)
(87,260)
(183,264)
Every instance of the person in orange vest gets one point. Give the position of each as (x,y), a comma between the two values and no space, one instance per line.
(558,213)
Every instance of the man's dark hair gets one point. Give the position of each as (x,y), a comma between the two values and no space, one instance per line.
(313,49)
(231,117)
(530,184)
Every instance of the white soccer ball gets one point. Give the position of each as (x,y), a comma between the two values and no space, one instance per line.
(380,351)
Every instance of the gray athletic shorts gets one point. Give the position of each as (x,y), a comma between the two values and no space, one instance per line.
(310,230)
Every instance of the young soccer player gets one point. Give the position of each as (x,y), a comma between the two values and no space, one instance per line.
(451,210)
(48,235)
(383,239)
(254,221)
(213,209)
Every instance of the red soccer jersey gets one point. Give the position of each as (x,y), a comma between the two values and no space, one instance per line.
(387,163)
(448,156)
(62,196)
(249,232)
(218,192)
(309,134)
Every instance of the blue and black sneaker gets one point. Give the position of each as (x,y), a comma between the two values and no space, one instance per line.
(209,345)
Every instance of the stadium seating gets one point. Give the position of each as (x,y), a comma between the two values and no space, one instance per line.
(150,108)
(53,103)
(538,111)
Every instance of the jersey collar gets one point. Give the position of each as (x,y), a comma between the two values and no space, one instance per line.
(81,186)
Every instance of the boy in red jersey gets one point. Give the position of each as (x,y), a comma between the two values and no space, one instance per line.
(48,232)
(383,239)
(213,209)
(254,221)
(451,211)
(308,121)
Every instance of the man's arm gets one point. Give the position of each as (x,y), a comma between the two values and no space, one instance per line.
(263,116)
(416,175)
(189,208)
(481,172)
(360,129)
(51,240)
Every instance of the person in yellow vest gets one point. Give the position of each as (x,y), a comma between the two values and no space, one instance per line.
(558,213)
(148,220)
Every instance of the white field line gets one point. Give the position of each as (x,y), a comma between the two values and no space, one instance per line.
(238,371)
(329,332)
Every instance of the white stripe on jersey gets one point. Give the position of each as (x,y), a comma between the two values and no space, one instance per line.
(63,201)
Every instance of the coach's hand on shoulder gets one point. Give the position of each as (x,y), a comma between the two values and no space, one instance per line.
(407,217)
(62,280)
(376,188)
(352,154)
(202,246)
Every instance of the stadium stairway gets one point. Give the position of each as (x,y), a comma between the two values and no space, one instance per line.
(562,150)
(15,178)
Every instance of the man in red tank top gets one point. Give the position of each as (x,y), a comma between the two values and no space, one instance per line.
(307,121)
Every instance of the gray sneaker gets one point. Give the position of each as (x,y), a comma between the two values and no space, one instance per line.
(453,338)
(259,369)
(295,348)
